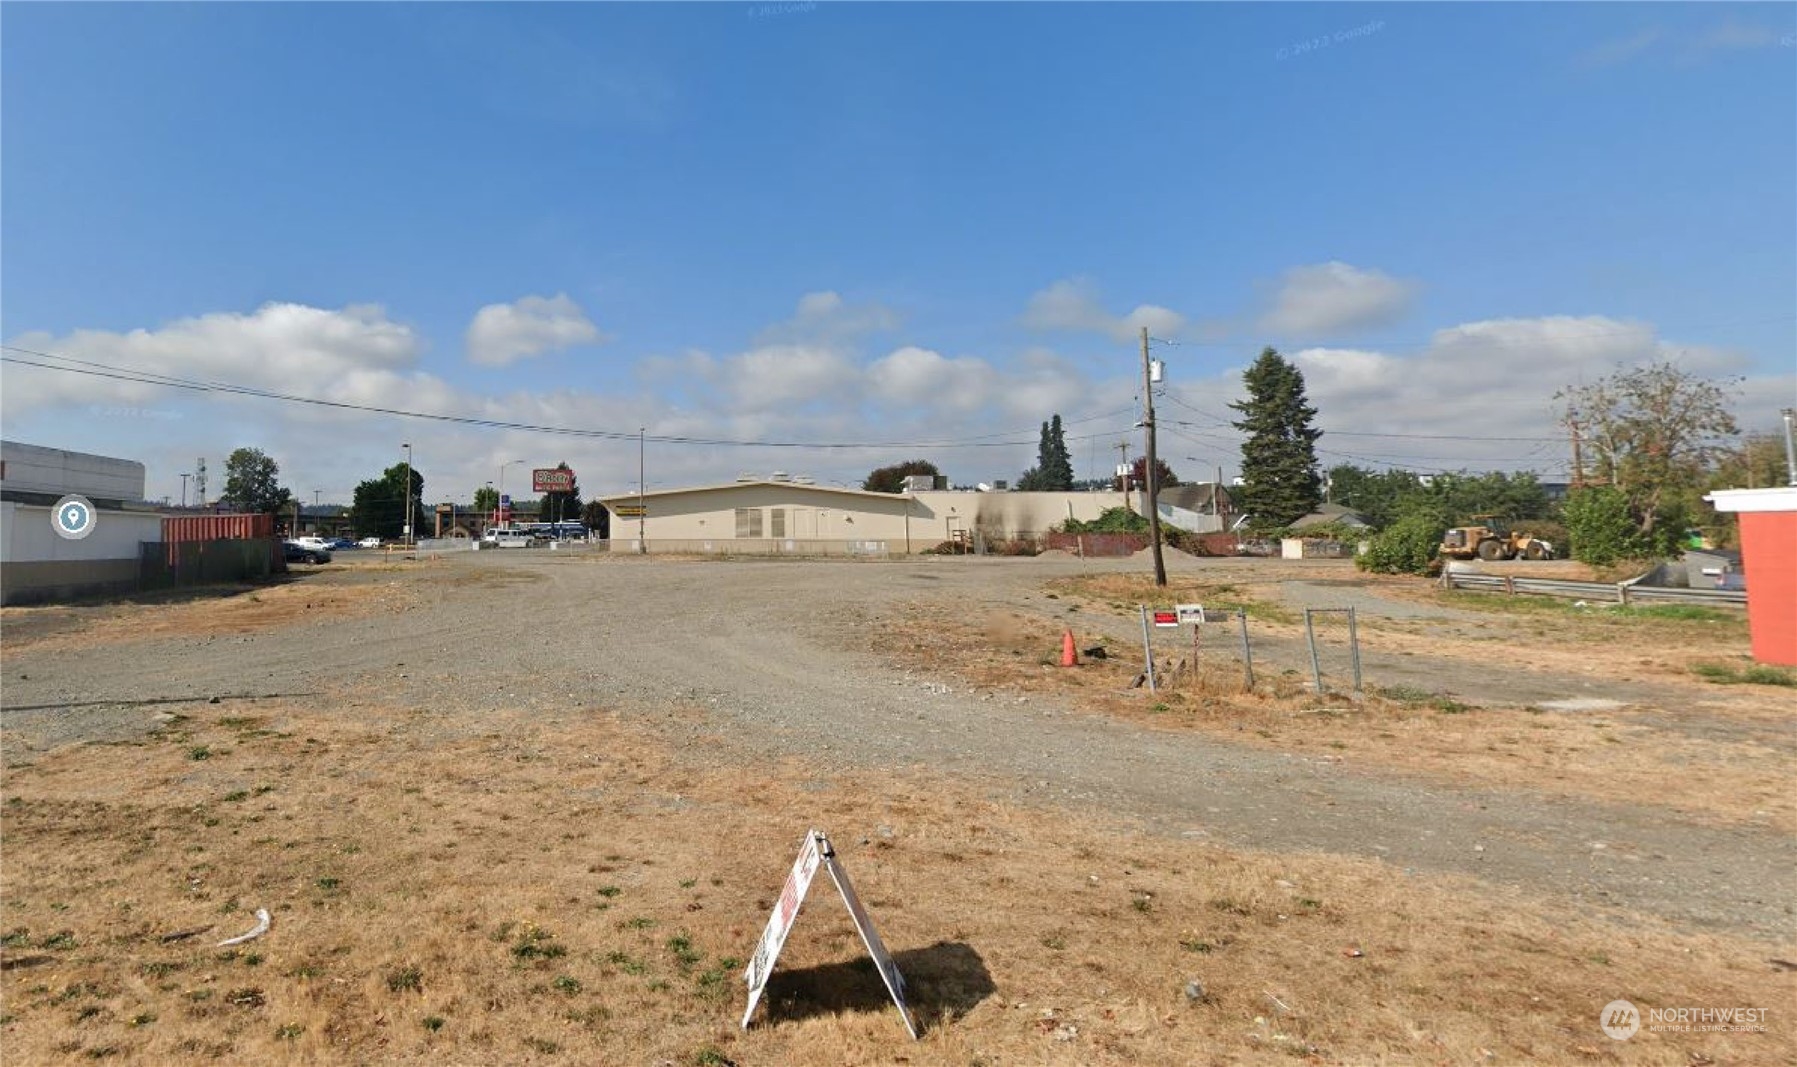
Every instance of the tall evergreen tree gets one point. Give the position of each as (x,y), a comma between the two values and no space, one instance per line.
(1280,480)
(1053,472)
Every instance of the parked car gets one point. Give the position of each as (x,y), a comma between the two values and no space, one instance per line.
(300,552)
(337,544)
(369,542)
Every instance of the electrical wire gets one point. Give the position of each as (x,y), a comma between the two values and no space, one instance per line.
(103,370)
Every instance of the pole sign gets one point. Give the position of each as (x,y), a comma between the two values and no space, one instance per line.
(814,853)
(552,480)
(1192,613)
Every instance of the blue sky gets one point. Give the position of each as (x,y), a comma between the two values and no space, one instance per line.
(922,229)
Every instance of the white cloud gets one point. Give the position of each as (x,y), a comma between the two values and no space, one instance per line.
(1622,49)
(919,377)
(505,333)
(1332,297)
(1072,305)
(826,318)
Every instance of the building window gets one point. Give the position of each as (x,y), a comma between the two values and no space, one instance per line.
(776,522)
(748,522)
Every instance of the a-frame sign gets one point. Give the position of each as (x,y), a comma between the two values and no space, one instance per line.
(814,853)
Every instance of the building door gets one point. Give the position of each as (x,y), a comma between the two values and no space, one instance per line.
(804,524)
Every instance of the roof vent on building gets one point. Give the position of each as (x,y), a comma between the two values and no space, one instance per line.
(779,476)
(802,480)
(747,478)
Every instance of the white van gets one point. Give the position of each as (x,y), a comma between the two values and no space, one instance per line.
(508,539)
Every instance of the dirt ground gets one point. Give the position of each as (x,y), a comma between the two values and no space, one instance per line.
(533,808)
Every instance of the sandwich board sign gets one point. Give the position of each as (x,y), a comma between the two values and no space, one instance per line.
(816,852)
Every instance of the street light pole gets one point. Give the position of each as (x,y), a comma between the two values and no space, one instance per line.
(500,502)
(408,492)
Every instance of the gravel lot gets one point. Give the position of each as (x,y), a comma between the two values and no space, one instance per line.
(771,656)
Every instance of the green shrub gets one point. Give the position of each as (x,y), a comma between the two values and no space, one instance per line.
(1405,547)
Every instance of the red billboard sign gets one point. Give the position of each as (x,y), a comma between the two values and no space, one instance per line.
(552,480)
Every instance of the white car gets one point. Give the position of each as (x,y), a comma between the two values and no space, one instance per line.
(508,538)
(317,544)
(369,542)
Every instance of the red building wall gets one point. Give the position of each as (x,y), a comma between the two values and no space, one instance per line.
(1769,560)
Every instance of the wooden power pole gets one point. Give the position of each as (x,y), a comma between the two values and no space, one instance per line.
(1148,473)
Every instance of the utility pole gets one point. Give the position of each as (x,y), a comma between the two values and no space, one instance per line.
(408,491)
(1148,476)
(642,441)
(1123,467)
(1578,455)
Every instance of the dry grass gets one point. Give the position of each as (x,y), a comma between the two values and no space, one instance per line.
(199,613)
(1734,773)
(531,890)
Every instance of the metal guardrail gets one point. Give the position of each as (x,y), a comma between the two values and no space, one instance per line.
(1620,593)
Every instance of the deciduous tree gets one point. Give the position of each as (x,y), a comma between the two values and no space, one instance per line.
(1652,433)
(892,479)
(251,482)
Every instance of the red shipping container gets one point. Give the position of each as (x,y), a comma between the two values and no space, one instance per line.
(177,528)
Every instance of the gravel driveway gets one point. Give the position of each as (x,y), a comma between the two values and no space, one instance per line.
(771,654)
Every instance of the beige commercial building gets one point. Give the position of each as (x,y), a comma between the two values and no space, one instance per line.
(789,517)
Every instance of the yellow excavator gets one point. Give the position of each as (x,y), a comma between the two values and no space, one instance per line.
(1492,541)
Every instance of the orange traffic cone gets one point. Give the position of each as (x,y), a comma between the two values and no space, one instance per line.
(1069,657)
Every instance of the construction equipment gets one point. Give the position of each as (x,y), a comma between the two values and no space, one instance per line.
(1492,541)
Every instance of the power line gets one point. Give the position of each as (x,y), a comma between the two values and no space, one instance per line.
(103,370)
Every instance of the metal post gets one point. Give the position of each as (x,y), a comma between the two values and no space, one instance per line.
(1147,650)
(1790,446)
(1316,664)
(1247,650)
(1195,628)
(1354,649)
(408,492)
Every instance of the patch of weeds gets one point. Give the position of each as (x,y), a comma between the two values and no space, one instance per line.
(567,985)
(658,986)
(15,937)
(433,1023)
(236,795)
(199,995)
(262,790)
(143,1018)
(406,980)
(536,943)
(1753,674)
(100,1052)
(328,883)
(252,959)
(288,1031)
(1231,906)
(712,1056)
(1307,902)
(1143,903)
(1055,942)
(56,942)
(1198,945)
(591,1016)
(609,891)
(712,983)
(88,1012)
(1161,707)
(681,945)
(248,997)
(730,963)
(641,922)
(543,1045)
(305,970)
(623,962)
(199,752)
(1447,705)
